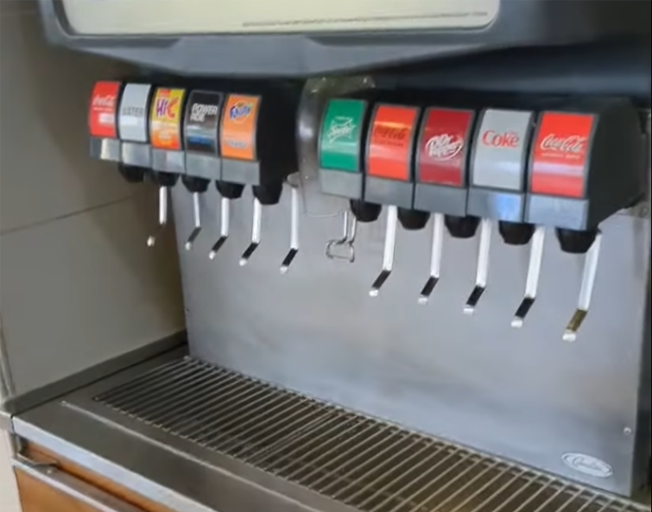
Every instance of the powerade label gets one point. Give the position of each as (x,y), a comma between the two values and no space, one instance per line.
(389,154)
(443,147)
(239,124)
(340,141)
(560,154)
(102,112)
(202,122)
(165,119)
(133,114)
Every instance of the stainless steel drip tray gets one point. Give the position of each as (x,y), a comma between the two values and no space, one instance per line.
(197,437)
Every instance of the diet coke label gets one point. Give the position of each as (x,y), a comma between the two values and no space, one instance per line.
(500,159)
(496,139)
(560,154)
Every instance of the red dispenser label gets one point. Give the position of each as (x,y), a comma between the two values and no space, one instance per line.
(389,153)
(102,114)
(560,154)
(443,146)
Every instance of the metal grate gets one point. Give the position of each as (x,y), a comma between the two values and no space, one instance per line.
(365,463)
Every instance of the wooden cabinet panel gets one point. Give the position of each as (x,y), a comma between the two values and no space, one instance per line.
(37,496)
(72,488)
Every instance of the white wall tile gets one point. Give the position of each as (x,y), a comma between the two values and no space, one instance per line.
(81,290)
(45,170)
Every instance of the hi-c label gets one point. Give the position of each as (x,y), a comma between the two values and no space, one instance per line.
(165,119)
(340,141)
(560,154)
(103,108)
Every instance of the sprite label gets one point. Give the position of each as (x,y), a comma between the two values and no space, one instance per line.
(340,143)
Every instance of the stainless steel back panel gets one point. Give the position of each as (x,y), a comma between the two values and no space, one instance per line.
(523,394)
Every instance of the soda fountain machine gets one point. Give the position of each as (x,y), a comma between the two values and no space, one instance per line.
(491,156)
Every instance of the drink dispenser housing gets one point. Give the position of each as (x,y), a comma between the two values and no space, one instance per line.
(573,165)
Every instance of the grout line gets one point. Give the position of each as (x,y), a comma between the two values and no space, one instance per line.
(68,215)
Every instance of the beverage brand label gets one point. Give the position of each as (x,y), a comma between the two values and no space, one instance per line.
(389,153)
(560,154)
(239,125)
(443,147)
(103,109)
(501,143)
(202,121)
(340,141)
(133,115)
(165,119)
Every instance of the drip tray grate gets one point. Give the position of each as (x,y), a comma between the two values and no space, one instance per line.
(366,463)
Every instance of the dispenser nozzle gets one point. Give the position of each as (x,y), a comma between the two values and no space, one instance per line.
(256,228)
(586,290)
(533,272)
(162,215)
(388,251)
(225,221)
(295,209)
(349,231)
(482,272)
(196,211)
(435,258)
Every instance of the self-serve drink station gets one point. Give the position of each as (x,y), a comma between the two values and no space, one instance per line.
(474,235)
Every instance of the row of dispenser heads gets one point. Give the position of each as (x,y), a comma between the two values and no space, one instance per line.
(527,169)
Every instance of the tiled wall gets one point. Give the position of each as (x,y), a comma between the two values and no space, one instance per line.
(77,283)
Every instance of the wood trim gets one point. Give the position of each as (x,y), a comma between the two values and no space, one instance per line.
(36,496)
(38,454)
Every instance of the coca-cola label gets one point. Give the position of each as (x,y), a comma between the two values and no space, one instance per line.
(443,146)
(572,146)
(102,113)
(560,154)
(389,154)
(500,153)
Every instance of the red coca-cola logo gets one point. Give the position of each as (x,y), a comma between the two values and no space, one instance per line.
(392,133)
(509,139)
(444,146)
(107,101)
(572,144)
